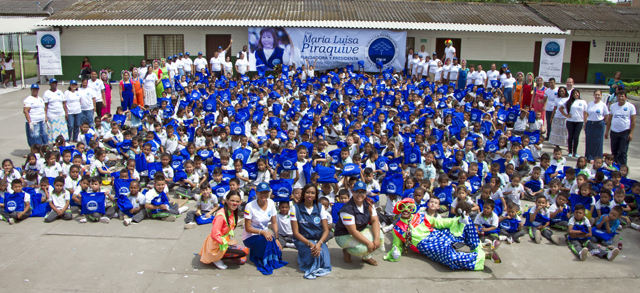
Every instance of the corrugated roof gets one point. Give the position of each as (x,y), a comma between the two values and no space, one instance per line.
(29,7)
(590,17)
(419,15)
(19,25)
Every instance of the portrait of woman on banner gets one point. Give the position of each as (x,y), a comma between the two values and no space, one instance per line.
(270,46)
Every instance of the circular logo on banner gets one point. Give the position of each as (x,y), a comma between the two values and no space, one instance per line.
(391,188)
(124,191)
(552,48)
(381,48)
(48,41)
(11,206)
(92,205)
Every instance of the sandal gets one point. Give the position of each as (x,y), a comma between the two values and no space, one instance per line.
(370,261)
(346,256)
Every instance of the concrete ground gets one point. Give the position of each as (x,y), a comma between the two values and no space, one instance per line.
(156,256)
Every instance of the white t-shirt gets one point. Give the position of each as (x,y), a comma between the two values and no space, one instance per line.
(216,65)
(414,65)
(492,75)
(597,112)
(51,171)
(425,68)
(54,99)
(621,116)
(438,74)
(69,183)
(97,87)
(60,200)
(150,81)
(36,113)
(433,65)
(73,102)
(228,67)
(186,64)
(242,66)
(207,205)
(480,77)
(200,63)
(509,82)
(284,224)
(302,181)
(259,219)
(423,54)
(551,95)
(453,72)
(560,102)
(448,52)
(86,99)
(142,71)
(491,221)
(516,193)
(9,65)
(577,111)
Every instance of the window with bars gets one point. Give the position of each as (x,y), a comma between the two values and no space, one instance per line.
(411,42)
(621,52)
(161,46)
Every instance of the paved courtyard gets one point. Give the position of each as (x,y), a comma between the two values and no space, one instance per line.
(156,256)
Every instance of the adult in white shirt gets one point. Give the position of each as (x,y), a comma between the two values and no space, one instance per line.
(228,67)
(446,68)
(414,65)
(438,74)
(242,64)
(493,74)
(74,110)
(244,52)
(34,114)
(216,65)
(454,71)
(558,136)
(425,67)
(98,91)
(420,68)
(449,50)
(409,58)
(550,96)
(262,244)
(179,64)
(200,63)
(507,86)
(187,64)
(621,121)
(597,111)
(9,70)
(433,66)
(142,70)
(222,53)
(575,110)
(150,81)
(423,53)
(87,103)
(480,78)
(56,109)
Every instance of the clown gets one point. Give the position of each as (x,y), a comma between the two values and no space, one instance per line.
(449,50)
(435,238)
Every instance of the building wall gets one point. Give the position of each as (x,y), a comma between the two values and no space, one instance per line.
(119,47)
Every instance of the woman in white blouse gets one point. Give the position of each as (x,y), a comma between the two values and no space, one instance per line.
(575,110)
(594,127)
(74,110)
(150,81)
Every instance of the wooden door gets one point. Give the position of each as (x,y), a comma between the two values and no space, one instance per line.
(214,41)
(536,58)
(440,48)
(579,61)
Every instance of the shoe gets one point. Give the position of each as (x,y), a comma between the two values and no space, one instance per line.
(82,220)
(510,240)
(495,244)
(105,220)
(612,254)
(487,242)
(190,225)
(183,209)
(171,218)
(290,245)
(127,222)
(537,236)
(583,254)
(502,238)
(219,264)
(555,239)
(492,255)
(12,221)
(386,229)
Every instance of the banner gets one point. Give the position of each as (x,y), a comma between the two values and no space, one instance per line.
(49,52)
(551,57)
(273,46)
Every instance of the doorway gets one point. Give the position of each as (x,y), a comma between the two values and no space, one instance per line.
(456,44)
(579,61)
(213,42)
(536,59)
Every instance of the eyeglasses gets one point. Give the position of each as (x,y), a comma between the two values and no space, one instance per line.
(407,207)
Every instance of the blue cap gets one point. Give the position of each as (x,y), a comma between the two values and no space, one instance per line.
(508,71)
(455,58)
(186,53)
(199,53)
(434,53)
(359,186)
(169,58)
(73,81)
(219,47)
(504,65)
(180,54)
(175,56)
(35,86)
(263,187)
(52,80)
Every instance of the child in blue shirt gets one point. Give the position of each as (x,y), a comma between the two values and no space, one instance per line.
(606,226)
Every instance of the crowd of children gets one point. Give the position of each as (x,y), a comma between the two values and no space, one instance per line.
(455,152)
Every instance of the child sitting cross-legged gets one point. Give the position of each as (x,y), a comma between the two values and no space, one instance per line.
(579,238)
